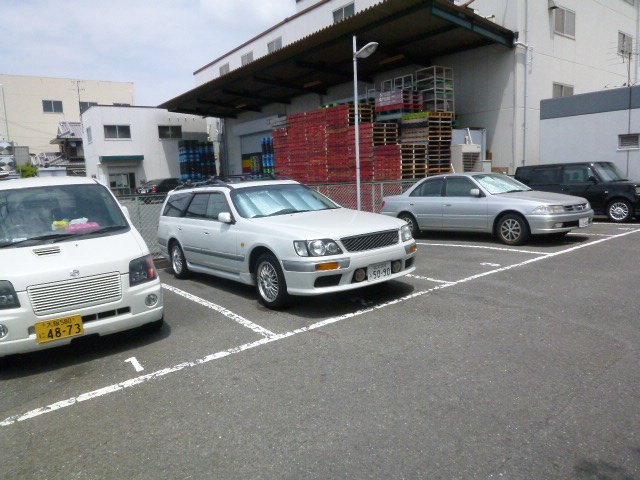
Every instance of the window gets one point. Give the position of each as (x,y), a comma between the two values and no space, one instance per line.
(429,188)
(198,206)
(84,106)
(52,106)
(565,22)
(224,69)
(577,174)
(545,176)
(562,90)
(274,45)
(89,135)
(169,131)
(176,204)
(625,44)
(343,12)
(459,187)
(217,204)
(117,131)
(246,58)
(629,141)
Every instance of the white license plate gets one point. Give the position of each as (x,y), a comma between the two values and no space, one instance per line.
(583,222)
(377,271)
(143,190)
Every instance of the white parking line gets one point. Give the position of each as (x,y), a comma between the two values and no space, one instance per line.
(227,313)
(247,346)
(484,247)
(590,234)
(428,278)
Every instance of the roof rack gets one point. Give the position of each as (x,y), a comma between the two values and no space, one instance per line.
(226,180)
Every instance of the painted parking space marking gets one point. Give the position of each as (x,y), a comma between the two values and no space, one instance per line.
(220,309)
(488,264)
(420,277)
(482,247)
(274,337)
(592,234)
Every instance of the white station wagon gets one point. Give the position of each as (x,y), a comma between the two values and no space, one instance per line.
(282,237)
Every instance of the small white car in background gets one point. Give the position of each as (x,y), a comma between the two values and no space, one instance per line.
(487,202)
(282,237)
(71,265)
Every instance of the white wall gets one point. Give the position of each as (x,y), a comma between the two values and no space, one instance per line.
(161,157)
(591,138)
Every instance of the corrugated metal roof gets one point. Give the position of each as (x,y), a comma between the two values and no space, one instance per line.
(409,32)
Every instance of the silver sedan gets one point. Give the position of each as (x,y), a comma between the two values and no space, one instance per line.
(487,202)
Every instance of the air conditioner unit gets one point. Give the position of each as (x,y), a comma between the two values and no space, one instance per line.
(465,157)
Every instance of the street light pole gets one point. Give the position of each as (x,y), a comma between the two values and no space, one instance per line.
(4,105)
(364,52)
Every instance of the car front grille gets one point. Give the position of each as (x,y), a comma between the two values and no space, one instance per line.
(75,294)
(575,208)
(370,241)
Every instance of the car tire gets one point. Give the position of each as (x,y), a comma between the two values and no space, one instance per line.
(411,221)
(619,210)
(271,285)
(512,229)
(178,262)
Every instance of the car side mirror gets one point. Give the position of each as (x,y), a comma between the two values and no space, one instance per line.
(592,179)
(474,192)
(225,217)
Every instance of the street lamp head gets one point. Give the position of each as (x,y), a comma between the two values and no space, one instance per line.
(367,50)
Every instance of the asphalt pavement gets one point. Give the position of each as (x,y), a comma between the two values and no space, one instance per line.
(488,362)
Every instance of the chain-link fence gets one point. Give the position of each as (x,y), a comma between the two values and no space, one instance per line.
(144,210)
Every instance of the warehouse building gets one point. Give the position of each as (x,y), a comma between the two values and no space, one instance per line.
(498,58)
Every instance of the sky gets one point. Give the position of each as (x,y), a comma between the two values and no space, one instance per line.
(156,44)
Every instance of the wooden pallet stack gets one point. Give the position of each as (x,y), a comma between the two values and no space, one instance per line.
(395,103)
(439,142)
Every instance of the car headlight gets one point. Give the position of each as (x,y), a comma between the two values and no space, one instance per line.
(316,248)
(637,190)
(405,233)
(142,270)
(548,209)
(8,296)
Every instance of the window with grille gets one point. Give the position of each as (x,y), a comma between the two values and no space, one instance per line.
(52,106)
(562,90)
(246,58)
(625,44)
(274,45)
(629,141)
(565,22)
(343,12)
(224,69)
(169,131)
(117,132)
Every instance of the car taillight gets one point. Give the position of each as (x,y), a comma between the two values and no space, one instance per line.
(154,189)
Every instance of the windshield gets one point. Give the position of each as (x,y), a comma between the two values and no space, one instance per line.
(496,183)
(54,213)
(269,200)
(608,172)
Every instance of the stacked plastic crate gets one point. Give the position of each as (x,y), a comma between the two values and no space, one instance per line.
(319,146)
(197,160)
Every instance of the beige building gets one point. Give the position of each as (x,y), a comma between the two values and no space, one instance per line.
(31,108)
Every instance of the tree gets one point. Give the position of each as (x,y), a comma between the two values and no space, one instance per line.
(27,170)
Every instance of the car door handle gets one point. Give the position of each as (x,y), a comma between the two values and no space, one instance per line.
(447,205)
(206,233)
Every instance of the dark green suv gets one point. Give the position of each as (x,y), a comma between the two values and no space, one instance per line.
(601,183)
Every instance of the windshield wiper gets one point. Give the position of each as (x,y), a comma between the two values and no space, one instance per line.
(49,236)
(111,228)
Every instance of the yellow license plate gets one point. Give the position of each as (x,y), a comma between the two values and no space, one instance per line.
(58,328)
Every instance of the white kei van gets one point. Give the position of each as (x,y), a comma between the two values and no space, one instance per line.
(71,265)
